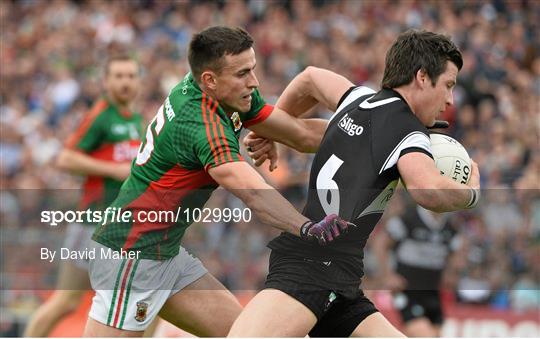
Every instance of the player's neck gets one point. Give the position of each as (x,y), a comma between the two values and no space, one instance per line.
(408,95)
(212,94)
(208,92)
(126,106)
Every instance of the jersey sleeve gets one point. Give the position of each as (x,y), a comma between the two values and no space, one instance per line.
(400,134)
(88,137)
(259,111)
(352,94)
(206,144)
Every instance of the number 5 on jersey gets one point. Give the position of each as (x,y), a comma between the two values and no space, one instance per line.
(146,148)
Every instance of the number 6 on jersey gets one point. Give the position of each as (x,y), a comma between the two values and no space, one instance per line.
(325,184)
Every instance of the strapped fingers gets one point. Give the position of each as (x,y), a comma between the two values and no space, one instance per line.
(335,228)
(348,224)
(324,238)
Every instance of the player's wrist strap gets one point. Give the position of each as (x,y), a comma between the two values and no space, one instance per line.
(304,229)
(475,198)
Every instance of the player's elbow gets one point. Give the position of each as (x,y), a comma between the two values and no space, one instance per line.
(62,160)
(311,70)
(308,76)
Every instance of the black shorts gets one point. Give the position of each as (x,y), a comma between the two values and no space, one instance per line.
(413,304)
(324,288)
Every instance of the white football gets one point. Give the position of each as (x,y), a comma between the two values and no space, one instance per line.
(451,158)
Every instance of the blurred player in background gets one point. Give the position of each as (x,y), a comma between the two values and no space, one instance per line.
(373,140)
(191,147)
(421,242)
(101,149)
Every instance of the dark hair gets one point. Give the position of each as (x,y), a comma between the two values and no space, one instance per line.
(414,50)
(120,56)
(207,48)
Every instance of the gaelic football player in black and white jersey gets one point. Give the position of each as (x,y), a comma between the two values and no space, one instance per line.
(373,140)
(421,243)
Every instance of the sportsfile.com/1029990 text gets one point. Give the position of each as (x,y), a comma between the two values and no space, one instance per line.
(117,215)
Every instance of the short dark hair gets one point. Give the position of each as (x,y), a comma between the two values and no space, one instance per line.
(207,48)
(119,56)
(414,50)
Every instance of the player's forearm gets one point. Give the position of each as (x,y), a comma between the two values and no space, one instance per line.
(314,85)
(434,191)
(272,209)
(297,98)
(309,136)
(444,196)
(79,163)
(304,135)
(243,181)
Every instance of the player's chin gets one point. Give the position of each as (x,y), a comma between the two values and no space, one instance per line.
(243,108)
(126,97)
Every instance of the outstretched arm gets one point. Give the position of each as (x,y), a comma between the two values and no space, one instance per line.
(243,181)
(433,191)
(80,163)
(312,86)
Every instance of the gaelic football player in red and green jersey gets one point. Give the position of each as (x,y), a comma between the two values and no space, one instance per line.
(101,149)
(190,148)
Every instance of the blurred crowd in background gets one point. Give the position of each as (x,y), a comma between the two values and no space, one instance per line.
(52,55)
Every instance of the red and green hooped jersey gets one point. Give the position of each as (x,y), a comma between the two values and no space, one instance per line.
(190,134)
(106,134)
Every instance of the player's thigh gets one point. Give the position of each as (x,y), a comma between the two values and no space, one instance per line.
(273,313)
(72,277)
(73,273)
(72,283)
(376,325)
(96,329)
(420,327)
(131,292)
(204,308)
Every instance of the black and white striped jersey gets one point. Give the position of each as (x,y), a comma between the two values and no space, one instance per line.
(354,172)
(422,244)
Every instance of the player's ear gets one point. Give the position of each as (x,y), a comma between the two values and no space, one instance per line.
(208,79)
(422,77)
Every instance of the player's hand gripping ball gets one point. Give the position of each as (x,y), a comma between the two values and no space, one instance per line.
(451,158)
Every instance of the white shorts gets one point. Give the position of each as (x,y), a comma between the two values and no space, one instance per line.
(131,292)
(78,237)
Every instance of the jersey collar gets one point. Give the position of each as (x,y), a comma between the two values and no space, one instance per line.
(386,93)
